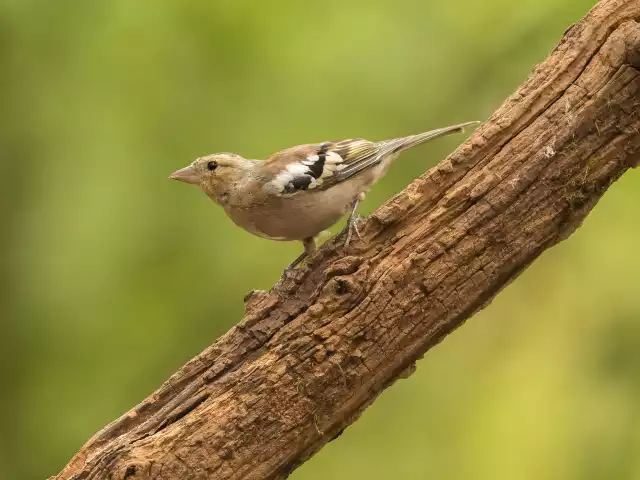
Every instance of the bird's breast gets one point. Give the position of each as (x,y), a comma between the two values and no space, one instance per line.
(294,217)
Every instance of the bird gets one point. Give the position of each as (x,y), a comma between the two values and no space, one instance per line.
(299,192)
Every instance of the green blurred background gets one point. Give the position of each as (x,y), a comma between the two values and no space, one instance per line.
(113,276)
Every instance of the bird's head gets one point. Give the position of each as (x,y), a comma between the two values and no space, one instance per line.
(215,174)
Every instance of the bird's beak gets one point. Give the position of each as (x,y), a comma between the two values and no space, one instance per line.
(186,175)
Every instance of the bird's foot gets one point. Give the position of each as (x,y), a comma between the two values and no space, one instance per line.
(296,262)
(309,248)
(352,227)
(283,285)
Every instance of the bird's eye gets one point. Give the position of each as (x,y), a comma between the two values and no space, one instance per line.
(212,165)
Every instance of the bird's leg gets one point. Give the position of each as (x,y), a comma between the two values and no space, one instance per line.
(352,222)
(309,248)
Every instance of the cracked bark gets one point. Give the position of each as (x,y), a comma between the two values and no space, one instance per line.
(306,361)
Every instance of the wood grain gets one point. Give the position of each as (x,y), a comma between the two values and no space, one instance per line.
(312,354)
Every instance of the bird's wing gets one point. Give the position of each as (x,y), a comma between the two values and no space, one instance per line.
(324,165)
(319,166)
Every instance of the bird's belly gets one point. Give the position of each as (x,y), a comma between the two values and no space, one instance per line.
(293,218)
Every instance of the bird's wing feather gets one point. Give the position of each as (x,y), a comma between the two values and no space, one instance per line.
(319,166)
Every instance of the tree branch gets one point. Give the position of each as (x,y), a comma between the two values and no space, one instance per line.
(308,359)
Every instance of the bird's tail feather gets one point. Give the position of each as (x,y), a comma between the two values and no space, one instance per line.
(399,144)
(387,150)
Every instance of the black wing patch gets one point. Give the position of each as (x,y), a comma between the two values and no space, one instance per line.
(298,183)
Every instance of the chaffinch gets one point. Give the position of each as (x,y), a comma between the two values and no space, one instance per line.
(297,193)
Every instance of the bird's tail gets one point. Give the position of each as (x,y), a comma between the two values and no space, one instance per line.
(399,144)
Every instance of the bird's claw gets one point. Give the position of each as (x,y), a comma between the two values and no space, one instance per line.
(351,227)
(295,263)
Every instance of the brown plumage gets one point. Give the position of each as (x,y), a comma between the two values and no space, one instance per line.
(298,192)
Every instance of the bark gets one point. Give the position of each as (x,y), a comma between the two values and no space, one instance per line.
(310,355)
